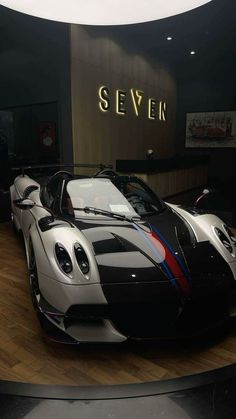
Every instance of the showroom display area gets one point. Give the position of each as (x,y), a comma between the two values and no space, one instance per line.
(27,356)
(116,93)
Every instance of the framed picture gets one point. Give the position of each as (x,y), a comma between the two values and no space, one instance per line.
(47,132)
(211,129)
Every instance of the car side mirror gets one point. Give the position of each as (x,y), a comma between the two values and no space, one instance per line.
(24,204)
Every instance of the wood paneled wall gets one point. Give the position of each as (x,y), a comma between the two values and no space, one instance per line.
(104,137)
(173,182)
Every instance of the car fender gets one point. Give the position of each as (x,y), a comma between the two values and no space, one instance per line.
(203,226)
(59,289)
(67,236)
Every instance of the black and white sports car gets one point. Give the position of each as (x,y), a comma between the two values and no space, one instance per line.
(109,260)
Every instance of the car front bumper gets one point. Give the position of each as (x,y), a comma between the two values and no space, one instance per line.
(142,312)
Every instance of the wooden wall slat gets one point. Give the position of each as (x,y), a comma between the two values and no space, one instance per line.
(173,182)
(100,137)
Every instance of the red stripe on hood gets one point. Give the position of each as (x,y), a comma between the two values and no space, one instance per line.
(173,265)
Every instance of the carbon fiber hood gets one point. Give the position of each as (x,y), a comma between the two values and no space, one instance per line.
(116,236)
(161,249)
(144,252)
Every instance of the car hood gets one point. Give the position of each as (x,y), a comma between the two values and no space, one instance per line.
(141,252)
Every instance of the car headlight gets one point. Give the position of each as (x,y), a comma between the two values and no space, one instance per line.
(231,236)
(63,259)
(224,240)
(81,258)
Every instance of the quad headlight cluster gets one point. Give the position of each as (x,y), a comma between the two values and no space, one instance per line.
(81,258)
(65,261)
(225,238)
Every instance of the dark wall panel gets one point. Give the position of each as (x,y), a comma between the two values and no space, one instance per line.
(106,136)
(35,69)
(208,94)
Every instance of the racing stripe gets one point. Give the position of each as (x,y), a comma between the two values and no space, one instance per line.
(176,266)
(152,244)
(181,263)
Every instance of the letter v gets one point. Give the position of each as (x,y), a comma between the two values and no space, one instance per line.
(137,96)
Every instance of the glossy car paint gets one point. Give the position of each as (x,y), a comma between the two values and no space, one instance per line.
(133,267)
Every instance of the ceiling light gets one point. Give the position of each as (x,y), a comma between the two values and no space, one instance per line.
(103,12)
(192,52)
(169,38)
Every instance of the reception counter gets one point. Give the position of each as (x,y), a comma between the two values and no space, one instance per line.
(170,176)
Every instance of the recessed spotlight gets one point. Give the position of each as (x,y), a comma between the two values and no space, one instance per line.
(192,52)
(169,38)
(103,12)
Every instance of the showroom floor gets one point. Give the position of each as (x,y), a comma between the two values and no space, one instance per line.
(26,356)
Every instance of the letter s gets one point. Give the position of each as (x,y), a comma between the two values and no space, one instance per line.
(104,103)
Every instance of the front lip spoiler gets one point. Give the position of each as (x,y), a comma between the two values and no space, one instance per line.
(53,333)
(55,328)
(52,323)
(56,335)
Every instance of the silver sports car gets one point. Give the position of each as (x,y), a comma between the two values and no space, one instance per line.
(109,260)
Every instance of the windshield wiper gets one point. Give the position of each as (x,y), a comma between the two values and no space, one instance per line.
(122,217)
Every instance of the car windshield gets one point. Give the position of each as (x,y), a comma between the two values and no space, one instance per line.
(124,196)
(144,201)
(95,193)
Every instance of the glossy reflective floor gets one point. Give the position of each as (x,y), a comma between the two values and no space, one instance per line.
(26,356)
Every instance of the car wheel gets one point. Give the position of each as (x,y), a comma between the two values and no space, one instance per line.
(33,273)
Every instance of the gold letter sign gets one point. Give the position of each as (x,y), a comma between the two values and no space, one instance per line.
(104,103)
(155,110)
(137,96)
(162,111)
